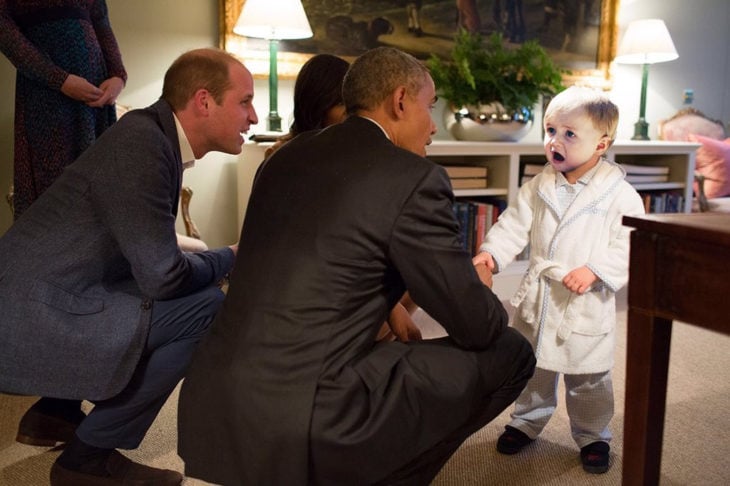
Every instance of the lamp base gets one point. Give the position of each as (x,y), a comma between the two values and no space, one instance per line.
(273,122)
(641,130)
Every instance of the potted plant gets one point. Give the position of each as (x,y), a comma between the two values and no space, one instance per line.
(492,89)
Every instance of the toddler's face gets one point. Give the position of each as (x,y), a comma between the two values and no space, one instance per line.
(572,144)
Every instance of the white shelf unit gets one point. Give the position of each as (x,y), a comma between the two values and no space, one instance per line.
(503,160)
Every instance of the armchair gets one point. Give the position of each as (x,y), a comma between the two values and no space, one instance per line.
(712,168)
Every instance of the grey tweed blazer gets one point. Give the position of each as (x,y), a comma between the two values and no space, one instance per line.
(81,268)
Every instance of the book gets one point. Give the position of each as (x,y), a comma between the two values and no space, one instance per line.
(461,171)
(525,179)
(469,183)
(461,211)
(532,169)
(480,223)
(634,178)
(645,169)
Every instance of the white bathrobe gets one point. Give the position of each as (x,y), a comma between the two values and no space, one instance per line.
(571,333)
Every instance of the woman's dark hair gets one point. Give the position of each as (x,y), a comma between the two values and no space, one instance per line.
(317,89)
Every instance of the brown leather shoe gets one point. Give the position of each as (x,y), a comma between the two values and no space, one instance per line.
(120,471)
(39,428)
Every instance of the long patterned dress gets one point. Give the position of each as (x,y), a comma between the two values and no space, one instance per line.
(46,40)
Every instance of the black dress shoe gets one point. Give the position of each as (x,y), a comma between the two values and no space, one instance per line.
(594,457)
(512,440)
(49,422)
(119,470)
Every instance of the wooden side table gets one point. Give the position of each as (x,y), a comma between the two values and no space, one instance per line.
(679,269)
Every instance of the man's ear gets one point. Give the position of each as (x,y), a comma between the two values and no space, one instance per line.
(201,101)
(398,100)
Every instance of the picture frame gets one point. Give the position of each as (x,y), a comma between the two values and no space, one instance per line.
(349,27)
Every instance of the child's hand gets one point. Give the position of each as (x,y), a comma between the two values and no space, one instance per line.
(484,257)
(579,280)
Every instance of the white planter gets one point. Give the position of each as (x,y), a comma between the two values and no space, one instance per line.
(487,122)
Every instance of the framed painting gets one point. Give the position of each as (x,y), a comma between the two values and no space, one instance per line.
(579,35)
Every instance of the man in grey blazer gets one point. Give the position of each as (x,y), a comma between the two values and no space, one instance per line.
(98,301)
(290,386)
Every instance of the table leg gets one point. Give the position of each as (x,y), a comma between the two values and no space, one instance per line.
(647,361)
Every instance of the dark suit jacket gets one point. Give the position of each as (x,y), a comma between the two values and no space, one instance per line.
(80,268)
(339,223)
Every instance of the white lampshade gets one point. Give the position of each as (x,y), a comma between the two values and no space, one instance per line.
(273,19)
(646,42)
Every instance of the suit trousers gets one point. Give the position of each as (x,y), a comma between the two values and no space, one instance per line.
(504,368)
(176,327)
(588,399)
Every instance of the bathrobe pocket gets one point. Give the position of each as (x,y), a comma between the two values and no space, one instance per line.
(590,314)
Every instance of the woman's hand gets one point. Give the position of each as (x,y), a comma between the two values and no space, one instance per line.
(111,88)
(399,326)
(79,89)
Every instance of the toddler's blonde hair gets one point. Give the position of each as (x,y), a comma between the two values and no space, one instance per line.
(599,108)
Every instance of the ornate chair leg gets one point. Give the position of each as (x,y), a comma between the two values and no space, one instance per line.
(190,228)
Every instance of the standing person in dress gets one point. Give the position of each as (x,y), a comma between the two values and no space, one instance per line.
(290,387)
(571,217)
(98,301)
(69,74)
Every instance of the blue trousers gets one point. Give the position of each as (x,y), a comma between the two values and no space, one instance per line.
(588,398)
(177,326)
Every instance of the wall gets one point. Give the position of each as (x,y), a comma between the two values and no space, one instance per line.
(149,44)
(151,34)
(700,34)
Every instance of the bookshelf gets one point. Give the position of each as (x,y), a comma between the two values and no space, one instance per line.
(505,162)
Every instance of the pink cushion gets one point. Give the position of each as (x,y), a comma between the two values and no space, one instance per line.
(713,161)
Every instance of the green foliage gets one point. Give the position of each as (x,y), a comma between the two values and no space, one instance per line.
(486,71)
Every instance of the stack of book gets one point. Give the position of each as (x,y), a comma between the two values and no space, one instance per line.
(646,173)
(467,176)
(475,218)
(529,171)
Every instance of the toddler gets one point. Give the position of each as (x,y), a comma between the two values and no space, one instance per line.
(570,215)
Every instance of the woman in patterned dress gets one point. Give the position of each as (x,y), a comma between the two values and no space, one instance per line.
(69,74)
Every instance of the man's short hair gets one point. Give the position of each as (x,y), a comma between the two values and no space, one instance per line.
(374,75)
(206,68)
(597,105)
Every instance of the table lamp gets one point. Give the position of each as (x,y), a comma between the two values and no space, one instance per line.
(645,42)
(273,20)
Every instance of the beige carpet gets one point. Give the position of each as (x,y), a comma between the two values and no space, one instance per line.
(696,445)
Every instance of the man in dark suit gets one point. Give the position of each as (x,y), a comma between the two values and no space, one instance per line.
(290,387)
(98,301)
